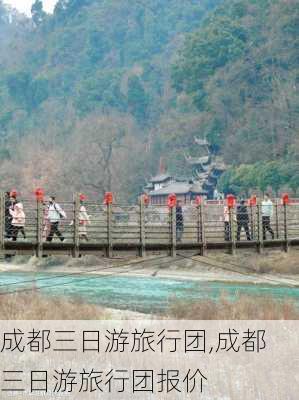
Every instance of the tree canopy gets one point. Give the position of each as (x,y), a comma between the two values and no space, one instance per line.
(226,70)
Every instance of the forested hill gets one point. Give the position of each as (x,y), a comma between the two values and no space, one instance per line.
(95,94)
(98,67)
(241,70)
(102,54)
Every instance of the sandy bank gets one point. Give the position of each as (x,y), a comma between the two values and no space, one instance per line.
(205,269)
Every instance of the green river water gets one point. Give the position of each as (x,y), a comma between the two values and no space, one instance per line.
(150,294)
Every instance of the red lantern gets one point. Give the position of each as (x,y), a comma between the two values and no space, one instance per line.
(39,194)
(230,201)
(108,198)
(253,201)
(198,200)
(171,201)
(285,199)
(82,197)
(146,200)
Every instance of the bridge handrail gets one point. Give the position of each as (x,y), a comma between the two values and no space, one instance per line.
(151,226)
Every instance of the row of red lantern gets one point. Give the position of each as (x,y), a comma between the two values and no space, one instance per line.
(108,197)
(40,194)
(230,200)
(252,202)
(171,201)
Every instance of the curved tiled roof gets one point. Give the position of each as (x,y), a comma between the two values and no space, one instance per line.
(160,178)
(178,188)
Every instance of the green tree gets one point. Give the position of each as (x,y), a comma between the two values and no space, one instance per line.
(26,92)
(138,100)
(37,12)
(221,41)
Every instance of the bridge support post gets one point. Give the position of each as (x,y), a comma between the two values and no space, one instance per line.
(260,245)
(252,223)
(286,235)
(202,236)
(109,231)
(76,248)
(39,227)
(142,251)
(232,231)
(198,226)
(173,231)
(277,220)
(2,222)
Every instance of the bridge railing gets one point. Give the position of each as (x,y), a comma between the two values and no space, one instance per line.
(142,228)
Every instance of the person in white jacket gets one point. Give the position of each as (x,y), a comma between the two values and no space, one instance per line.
(54,216)
(18,220)
(267,213)
(84,219)
(226,219)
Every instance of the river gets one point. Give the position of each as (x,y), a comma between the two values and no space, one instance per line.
(142,294)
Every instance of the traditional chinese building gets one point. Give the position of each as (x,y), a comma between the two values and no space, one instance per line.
(206,169)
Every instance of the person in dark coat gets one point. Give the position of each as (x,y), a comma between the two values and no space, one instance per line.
(10,201)
(179,221)
(242,220)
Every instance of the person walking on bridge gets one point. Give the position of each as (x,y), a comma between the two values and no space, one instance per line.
(18,220)
(242,220)
(227,228)
(179,221)
(55,215)
(267,212)
(83,217)
(9,204)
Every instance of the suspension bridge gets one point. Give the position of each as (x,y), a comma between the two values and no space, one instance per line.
(143,229)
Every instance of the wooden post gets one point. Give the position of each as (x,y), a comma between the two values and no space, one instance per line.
(260,229)
(232,231)
(202,229)
(109,231)
(277,220)
(142,228)
(252,223)
(76,248)
(39,229)
(286,235)
(198,225)
(2,222)
(173,231)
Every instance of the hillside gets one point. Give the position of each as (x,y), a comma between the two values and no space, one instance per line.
(100,55)
(92,60)
(97,93)
(241,71)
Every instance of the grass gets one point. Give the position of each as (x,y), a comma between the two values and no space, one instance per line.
(35,306)
(244,308)
(275,262)
(280,263)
